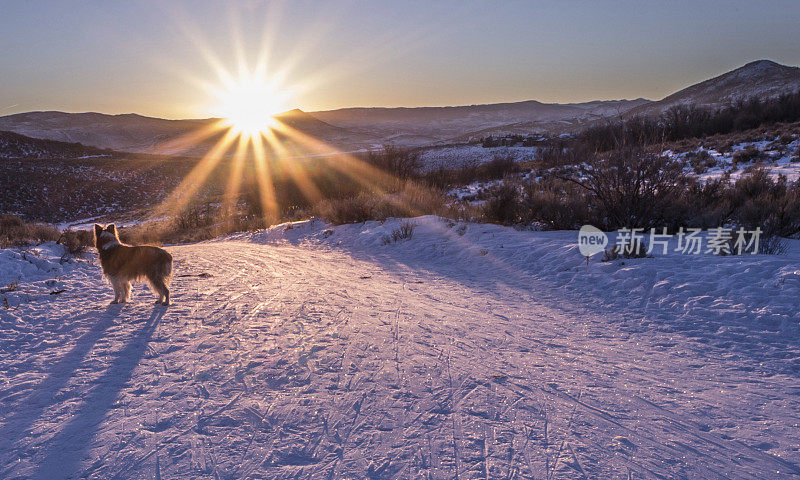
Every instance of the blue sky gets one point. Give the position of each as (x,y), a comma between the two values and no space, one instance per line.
(148,57)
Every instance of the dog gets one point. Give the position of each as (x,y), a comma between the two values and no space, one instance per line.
(123,264)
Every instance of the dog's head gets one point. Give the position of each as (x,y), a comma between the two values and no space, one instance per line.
(105,237)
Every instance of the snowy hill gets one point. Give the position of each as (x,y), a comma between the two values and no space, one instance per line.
(468,351)
(357,128)
(129,132)
(463,122)
(762,79)
(136,133)
(14,145)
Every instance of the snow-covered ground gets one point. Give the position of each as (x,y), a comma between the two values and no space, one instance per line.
(460,156)
(466,351)
(777,159)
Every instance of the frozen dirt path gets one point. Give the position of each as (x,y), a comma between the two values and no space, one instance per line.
(298,360)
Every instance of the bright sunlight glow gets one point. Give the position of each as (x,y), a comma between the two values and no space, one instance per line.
(248,105)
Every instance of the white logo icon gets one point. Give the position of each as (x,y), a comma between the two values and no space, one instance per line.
(591,240)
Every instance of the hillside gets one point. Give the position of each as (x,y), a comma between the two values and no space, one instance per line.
(763,79)
(412,125)
(357,128)
(14,145)
(335,136)
(128,132)
(137,133)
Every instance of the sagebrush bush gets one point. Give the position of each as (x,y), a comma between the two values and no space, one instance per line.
(500,166)
(403,163)
(76,241)
(16,232)
(404,232)
(413,200)
(636,249)
(758,200)
(747,155)
(503,203)
(554,203)
(701,161)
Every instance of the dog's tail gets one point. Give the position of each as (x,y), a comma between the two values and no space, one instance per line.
(166,267)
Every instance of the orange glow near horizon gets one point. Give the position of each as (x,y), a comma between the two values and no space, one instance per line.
(252,138)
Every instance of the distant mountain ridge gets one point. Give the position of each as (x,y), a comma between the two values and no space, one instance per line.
(137,133)
(445,123)
(126,132)
(366,127)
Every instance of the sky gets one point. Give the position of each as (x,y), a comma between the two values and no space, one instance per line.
(164,58)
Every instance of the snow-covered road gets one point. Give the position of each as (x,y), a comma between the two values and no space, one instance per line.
(298,359)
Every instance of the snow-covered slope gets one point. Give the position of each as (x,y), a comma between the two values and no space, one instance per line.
(776,157)
(424,125)
(137,133)
(14,145)
(357,128)
(468,351)
(129,132)
(762,79)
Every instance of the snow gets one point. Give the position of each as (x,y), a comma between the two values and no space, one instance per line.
(460,156)
(779,161)
(469,351)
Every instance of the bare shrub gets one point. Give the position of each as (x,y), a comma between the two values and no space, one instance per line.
(772,245)
(15,232)
(413,200)
(403,163)
(195,217)
(554,203)
(557,156)
(756,200)
(10,287)
(633,250)
(404,232)
(346,210)
(76,241)
(503,203)
(500,166)
(700,204)
(747,155)
(630,187)
(701,161)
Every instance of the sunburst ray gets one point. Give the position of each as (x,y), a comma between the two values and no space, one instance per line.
(184,193)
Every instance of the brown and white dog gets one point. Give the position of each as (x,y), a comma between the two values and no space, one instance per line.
(123,264)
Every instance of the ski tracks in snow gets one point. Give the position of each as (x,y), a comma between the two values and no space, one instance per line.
(295,361)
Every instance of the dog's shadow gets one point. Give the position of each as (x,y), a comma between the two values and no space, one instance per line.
(64,452)
(16,426)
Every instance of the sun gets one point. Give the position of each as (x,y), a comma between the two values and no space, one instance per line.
(249,104)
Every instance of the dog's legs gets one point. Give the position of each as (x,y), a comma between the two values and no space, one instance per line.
(126,291)
(117,286)
(160,288)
